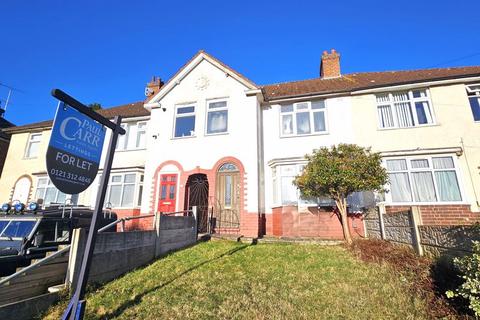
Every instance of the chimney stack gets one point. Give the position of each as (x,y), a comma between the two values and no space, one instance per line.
(153,87)
(330,65)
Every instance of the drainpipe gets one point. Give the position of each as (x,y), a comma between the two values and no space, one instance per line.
(469,172)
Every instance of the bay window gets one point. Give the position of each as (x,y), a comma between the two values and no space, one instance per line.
(473,93)
(423,179)
(184,121)
(303,118)
(125,190)
(404,109)
(217,117)
(47,193)
(284,191)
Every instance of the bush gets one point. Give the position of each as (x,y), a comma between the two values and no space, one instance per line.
(469,266)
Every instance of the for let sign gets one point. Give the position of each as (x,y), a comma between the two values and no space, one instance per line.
(74,151)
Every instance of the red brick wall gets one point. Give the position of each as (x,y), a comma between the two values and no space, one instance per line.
(288,222)
(250,224)
(442,215)
(136,224)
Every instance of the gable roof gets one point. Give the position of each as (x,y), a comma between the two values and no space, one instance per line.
(190,65)
(129,110)
(362,81)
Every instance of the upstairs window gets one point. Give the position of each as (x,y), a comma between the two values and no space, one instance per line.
(217,117)
(303,118)
(425,179)
(134,137)
(404,109)
(184,121)
(33,145)
(141,138)
(473,92)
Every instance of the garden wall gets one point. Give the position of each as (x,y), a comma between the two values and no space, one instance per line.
(405,227)
(119,252)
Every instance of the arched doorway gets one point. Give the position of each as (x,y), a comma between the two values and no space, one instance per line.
(196,194)
(21,191)
(227,204)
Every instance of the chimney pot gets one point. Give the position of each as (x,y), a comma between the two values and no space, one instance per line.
(153,87)
(330,65)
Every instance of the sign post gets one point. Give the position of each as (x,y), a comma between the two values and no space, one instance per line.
(73,158)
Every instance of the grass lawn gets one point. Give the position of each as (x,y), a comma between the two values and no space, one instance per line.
(229,280)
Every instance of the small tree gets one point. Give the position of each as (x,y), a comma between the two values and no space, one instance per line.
(95,106)
(339,171)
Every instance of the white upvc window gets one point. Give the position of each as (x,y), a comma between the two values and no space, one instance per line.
(285,192)
(184,124)
(217,116)
(473,93)
(141,138)
(33,145)
(423,179)
(134,137)
(125,190)
(303,118)
(404,109)
(47,193)
(122,140)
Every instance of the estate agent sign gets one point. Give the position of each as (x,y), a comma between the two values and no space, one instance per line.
(74,151)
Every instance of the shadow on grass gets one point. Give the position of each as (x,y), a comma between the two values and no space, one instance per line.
(127,304)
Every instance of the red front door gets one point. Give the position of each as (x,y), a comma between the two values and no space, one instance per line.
(168,193)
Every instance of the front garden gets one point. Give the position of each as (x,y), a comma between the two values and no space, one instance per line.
(230,280)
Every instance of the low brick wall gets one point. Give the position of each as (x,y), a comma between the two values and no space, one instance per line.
(287,221)
(442,215)
(136,224)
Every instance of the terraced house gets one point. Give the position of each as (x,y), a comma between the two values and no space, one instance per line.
(210,137)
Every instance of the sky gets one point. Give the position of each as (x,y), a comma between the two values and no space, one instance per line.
(106,51)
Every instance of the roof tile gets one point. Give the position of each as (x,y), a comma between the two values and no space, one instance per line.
(361,81)
(129,110)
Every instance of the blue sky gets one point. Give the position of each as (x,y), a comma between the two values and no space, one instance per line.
(106,51)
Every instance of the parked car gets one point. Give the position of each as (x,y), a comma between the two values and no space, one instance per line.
(32,234)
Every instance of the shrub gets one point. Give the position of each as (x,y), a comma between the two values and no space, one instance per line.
(469,266)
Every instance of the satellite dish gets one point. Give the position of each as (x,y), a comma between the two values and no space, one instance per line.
(148,91)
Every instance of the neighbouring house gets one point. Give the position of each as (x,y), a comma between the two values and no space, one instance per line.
(214,139)
(25,177)
(4,139)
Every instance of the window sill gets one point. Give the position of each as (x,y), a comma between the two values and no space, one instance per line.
(181,138)
(126,150)
(449,203)
(404,128)
(216,134)
(305,135)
